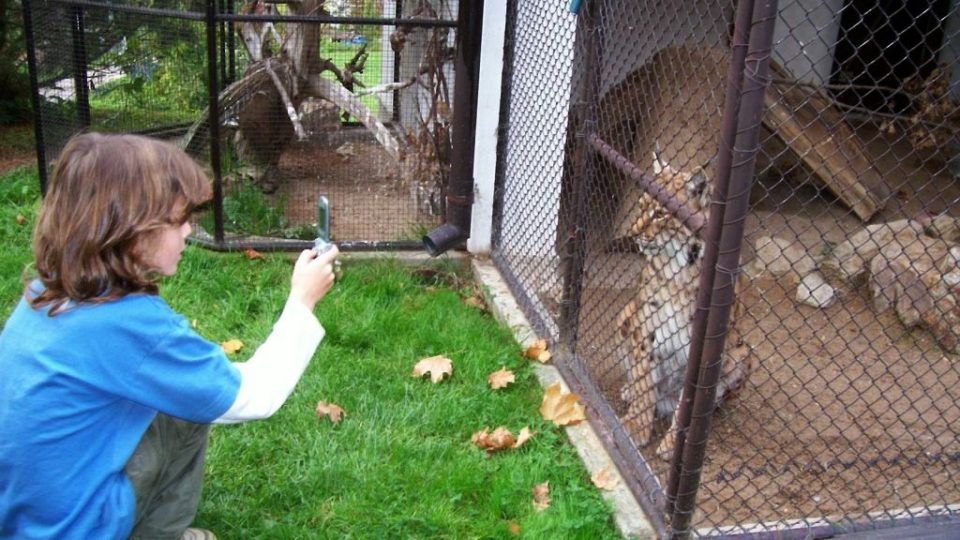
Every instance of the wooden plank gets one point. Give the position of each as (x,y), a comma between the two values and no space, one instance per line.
(807,123)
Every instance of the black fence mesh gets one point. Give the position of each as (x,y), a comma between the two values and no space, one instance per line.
(837,384)
(347,100)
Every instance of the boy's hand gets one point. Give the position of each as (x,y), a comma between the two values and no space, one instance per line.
(312,276)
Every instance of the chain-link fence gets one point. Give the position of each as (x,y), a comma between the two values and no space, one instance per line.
(349,100)
(737,224)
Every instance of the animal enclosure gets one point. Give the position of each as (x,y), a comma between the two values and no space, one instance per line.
(737,225)
(287,102)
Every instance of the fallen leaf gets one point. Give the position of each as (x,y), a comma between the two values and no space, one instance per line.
(436,366)
(514,528)
(194,323)
(331,410)
(501,378)
(475,302)
(500,439)
(20,219)
(231,345)
(561,409)
(538,351)
(523,437)
(604,479)
(541,496)
(252,254)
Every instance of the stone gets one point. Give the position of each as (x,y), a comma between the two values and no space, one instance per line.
(780,257)
(846,265)
(815,291)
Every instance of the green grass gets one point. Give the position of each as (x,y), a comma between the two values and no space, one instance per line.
(400,464)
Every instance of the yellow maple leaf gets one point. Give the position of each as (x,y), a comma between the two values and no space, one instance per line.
(541,496)
(501,378)
(437,366)
(231,345)
(538,351)
(331,410)
(560,408)
(604,479)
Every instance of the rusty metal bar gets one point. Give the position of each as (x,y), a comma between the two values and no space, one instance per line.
(691,219)
(739,44)
(756,78)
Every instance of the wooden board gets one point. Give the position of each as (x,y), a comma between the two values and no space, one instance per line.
(812,128)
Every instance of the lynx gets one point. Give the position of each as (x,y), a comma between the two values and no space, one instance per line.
(657,323)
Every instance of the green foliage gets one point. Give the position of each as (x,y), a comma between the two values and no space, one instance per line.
(247,211)
(19,202)
(14,78)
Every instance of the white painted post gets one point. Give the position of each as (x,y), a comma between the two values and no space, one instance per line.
(488,117)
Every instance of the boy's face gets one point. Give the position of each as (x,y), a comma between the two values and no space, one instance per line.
(164,248)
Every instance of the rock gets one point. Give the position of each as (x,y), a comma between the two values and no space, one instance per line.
(847,263)
(945,227)
(780,257)
(916,278)
(815,291)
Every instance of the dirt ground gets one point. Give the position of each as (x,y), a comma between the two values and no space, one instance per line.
(845,411)
(368,201)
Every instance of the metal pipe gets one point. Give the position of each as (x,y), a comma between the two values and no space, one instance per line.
(691,219)
(35,95)
(721,182)
(755,81)
(459,192)
(213,104)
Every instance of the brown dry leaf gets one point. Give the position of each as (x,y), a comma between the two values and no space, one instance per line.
(561,409)
(331,410)
(604,479)
(475,302)
(252,254)
(501,378)
(523,437)
(20,219)
(538,351)
(500,439)
(436,366)
(541,496)
(514,528)
(231,345)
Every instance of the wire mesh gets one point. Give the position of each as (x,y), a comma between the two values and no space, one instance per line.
(348,100)
(837,395)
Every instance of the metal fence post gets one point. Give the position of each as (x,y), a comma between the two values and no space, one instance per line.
(745,146)
(721,182)
(35,94)
(213,130)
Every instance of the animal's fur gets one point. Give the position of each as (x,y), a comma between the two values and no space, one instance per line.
(657,323)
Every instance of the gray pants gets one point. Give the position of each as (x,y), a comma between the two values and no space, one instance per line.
(166,471)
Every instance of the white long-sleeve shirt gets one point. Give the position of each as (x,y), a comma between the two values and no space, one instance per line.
(270,375)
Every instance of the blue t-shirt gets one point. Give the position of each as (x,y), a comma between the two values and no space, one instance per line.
(77,393)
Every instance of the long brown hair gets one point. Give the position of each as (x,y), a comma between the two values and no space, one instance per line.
(107,194)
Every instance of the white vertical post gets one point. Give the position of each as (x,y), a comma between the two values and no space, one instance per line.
(488,117)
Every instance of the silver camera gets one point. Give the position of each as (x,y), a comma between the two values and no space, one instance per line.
(323,244)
